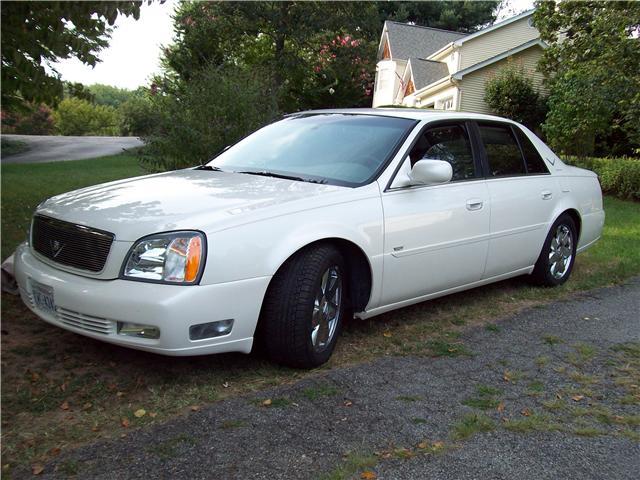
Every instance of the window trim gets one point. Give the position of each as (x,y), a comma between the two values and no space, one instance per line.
(475,153)
(516,129)
(485,159)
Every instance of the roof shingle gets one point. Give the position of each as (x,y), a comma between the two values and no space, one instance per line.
(425,72)
(408,41)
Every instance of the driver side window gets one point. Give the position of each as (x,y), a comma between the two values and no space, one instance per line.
(449,143)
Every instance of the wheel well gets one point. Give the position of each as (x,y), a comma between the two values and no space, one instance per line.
(575,216)
(359,270)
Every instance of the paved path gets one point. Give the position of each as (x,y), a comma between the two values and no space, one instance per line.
(44,148)
(566,375)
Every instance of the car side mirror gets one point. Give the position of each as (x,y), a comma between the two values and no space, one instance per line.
(430,172)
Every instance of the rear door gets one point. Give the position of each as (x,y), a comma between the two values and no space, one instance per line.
(522,194)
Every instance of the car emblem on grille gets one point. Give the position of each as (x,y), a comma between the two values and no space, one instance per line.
(56,247)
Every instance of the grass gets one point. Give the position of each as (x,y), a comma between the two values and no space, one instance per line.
(471,424)
(12,147)
(319,391)
(352,463)
(44,367)
(487,398)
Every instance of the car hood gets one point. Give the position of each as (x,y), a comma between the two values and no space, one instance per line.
(185,199)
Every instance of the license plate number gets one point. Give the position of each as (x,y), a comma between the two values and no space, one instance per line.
(43,297)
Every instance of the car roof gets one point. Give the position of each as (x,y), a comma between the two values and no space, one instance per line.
(412,113)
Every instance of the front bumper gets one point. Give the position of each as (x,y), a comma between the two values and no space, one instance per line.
(81,303)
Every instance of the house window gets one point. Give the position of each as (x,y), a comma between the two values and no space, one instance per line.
(386,54)
(446,103)
(410,88)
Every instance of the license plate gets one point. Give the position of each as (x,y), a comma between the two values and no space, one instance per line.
(43,297)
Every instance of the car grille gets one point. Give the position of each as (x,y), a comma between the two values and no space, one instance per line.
(69,244)
(82,321)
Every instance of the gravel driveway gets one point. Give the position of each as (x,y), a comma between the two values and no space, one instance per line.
(551,392)
(44,148)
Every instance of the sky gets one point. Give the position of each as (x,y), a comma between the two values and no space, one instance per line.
(133,54)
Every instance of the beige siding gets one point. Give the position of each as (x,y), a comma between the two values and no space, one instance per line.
(472,84)
(496,42)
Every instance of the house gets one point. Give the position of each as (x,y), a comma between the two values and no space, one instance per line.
(432,68)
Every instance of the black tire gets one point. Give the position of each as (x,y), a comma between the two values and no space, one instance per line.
(287,316)
(542,273)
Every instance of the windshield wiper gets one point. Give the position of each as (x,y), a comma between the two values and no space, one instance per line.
(208,167)
(265,173)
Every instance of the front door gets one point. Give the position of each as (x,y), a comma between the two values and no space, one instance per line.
(436,237)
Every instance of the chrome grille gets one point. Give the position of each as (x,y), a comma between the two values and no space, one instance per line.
(70,244)
(85,322)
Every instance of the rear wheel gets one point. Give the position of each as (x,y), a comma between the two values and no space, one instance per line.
(558,254)
(304,308)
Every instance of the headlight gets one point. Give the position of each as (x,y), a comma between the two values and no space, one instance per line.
(175,257)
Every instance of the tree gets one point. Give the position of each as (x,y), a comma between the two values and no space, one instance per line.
(511,94)
(288,38)
(109,95)
(74,116)
(36,34)
(593,70)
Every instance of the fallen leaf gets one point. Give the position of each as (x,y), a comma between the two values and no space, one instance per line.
(87,406)
(507,376)
(500,407)
(267,402)
(348,403)
(577,398)
(122,435)
(141,412)
(35,377)
(55,451)
(438,445)
(526,412)
(368,475)
(423,445)
(195,408)
(95,428)
(63,387)
(558,396)
(387,334)
(153,414)
(65,406)
(125,422)
(37,469)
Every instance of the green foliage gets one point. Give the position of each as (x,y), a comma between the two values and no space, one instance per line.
(216,108)
(77,90)
(511,94)
(36,34)
(138,115)
(593,69)
(79,117)
(618,176)
(111,96)
(29,120)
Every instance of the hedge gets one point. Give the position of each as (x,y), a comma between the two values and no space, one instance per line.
(619,177)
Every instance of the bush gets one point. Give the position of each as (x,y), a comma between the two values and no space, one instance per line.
(138,116)
(618,176)
(216,108)
(29,120)
(511,94)
(79,117)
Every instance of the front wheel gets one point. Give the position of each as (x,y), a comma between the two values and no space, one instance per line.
(304,308)
(558,254)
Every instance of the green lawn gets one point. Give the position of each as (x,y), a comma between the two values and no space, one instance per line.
(25,186)
(60,390)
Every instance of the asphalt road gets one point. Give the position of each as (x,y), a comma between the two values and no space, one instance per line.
(551,368)
(56,148)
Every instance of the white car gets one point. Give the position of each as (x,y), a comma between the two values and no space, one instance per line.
(306,222)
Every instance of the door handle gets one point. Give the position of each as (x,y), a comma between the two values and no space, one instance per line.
(474,204)
(546,195)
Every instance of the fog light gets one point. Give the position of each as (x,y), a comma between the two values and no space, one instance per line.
(136,330)
(210,330)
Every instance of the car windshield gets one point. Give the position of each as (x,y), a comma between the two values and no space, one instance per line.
(338,149)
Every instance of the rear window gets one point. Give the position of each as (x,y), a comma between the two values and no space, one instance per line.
(503,152)
(533,160)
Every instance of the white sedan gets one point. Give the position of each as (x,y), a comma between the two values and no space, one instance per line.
(308,221)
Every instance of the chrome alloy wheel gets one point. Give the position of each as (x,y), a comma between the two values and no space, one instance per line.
(326,309)
(561,252)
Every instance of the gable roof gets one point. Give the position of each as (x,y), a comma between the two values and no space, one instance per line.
(495,26)
(406,41)
(425,72)
(501,56)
